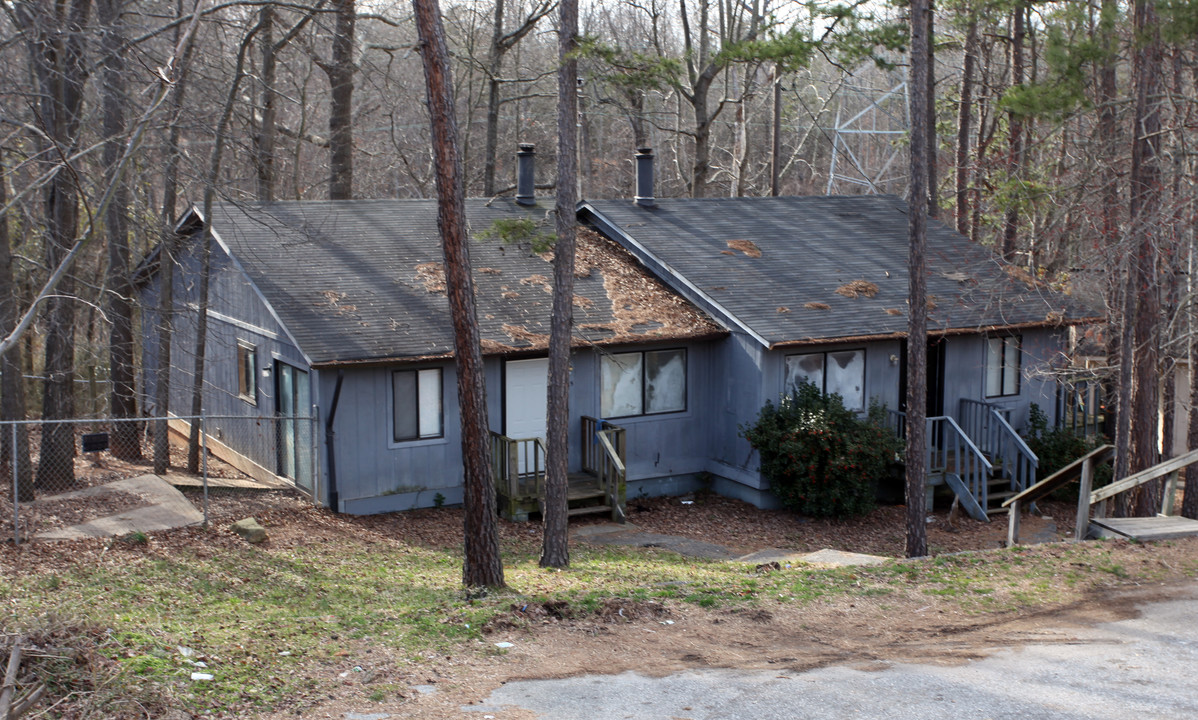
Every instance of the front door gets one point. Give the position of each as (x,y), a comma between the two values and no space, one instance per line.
(292,405)
(934,406)
(525,386)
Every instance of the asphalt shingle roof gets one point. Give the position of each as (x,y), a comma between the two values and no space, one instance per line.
(776,264)
(362,280)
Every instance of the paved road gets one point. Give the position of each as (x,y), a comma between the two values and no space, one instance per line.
(1128,670)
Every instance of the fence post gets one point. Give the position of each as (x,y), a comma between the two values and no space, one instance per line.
(204,464)
(16,494)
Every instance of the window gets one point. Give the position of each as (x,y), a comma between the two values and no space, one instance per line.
(1002,365)
(247,372)
(416,405)
(841,372)
(643,383)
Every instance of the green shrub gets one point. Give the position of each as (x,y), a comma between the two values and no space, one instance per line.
(1057,447)
(820,458)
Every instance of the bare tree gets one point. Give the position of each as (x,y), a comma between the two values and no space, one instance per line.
(12,390)
(501,43)
(55,37)
(554,550)
(126,443)
(482,566)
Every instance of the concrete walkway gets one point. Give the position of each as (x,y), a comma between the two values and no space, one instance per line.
(1127,669)
(630,535)
(165,508)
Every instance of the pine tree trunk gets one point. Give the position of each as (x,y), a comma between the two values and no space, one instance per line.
(964,126)
(555,550)
(12,386)
(166,267)
(57,47)
(917,327)
(933,145)
(267,128)
(482,566)
(494,70)
(341,121)
(1146,220)
(1015,134)
(125,443)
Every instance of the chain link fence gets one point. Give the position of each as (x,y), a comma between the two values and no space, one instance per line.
(56,474)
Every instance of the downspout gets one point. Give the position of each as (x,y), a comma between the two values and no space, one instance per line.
(329,437)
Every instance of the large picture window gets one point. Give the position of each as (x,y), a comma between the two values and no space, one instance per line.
(840,372)
(247,372)
(643,383)
(416,404)
(1003,363)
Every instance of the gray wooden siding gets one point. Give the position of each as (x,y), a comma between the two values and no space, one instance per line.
(663,445)
(375,473)
(737,392)
(237,313)
(965,374)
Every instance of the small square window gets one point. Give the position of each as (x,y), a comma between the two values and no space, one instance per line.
(1003,363)
(247,373)
(643,383)
(416,404)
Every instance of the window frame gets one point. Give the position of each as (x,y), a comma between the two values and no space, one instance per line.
(1002,375)
(645,384)
(825,353)
(415,406)
(247,382)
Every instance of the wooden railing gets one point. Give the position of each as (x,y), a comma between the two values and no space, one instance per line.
(896,420)
(1170,468)
(1081,469)
(603,455)
(989,427)
(518,466)
(613,476)
(965,468)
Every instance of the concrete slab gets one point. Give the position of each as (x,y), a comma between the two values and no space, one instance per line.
(769,555)
(589,531)
(634,537)
(165,508)
(838,558)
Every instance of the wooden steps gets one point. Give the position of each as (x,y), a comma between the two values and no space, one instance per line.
(1161,527)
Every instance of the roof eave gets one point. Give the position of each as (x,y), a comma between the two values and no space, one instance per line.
(946,332)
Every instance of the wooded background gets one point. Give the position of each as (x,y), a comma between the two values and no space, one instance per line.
(1061,139)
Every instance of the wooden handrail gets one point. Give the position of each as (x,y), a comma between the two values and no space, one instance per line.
(1156,471)
(1061,477)
(611,452)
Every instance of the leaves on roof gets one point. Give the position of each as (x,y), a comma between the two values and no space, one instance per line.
(893,311)
(817,306)
(333,299)
(783,309)
(748,247)
(857,288)
(538,279)
(432,274)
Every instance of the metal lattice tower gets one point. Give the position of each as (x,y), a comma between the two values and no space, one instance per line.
(869,139)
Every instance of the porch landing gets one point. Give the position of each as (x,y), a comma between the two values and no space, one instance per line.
(1161,527)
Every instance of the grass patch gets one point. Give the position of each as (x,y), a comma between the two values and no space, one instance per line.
(262,619)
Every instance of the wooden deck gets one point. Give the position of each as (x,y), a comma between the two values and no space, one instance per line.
(1161,527)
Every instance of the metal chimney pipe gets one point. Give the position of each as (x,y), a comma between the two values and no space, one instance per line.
(644,177)
(525,179)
